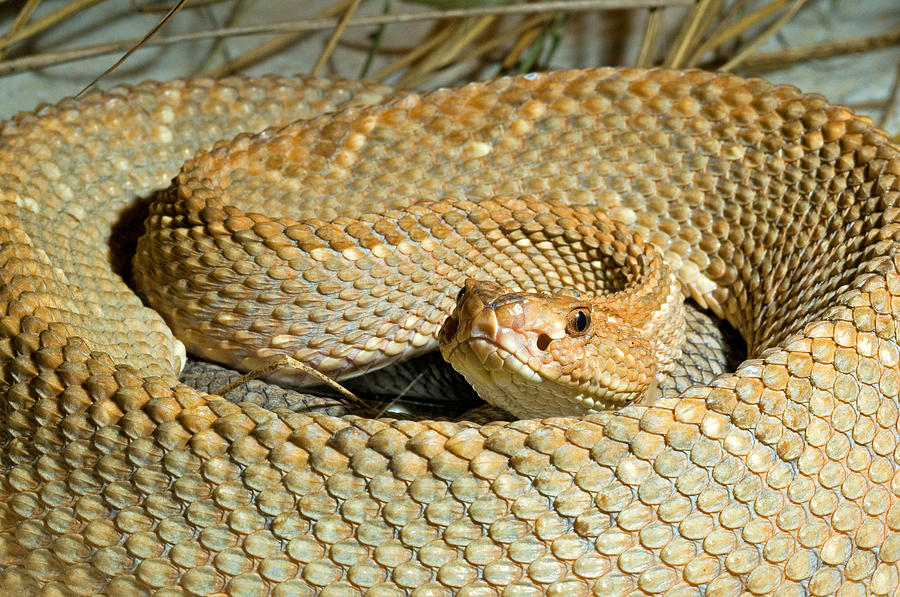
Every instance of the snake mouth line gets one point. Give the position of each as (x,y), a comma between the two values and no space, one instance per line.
(569,398)
(493,356)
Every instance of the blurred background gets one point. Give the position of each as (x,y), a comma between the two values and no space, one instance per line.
(847,50)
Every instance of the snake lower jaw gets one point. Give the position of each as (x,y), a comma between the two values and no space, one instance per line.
(531,390)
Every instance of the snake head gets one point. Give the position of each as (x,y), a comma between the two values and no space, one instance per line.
(537,354)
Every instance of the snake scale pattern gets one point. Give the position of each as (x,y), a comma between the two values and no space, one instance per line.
(777,210)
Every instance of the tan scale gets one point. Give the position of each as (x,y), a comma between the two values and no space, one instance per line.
(775,209)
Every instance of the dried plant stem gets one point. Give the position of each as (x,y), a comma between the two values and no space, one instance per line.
(20,22)
(725,32)
(167,7)
(335,36)
(387,406)
(478,51)
(258,53)
(48,21)
(649,38)
(461,34)
(51,58)
(691,31)
(287,362)
(782,58)
(525,39)
(725,18)
(420,50)
(239,10)
(274,45)
(769,31)
(133,49)
(522,43)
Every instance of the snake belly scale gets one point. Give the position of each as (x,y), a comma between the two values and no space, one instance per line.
(776,210)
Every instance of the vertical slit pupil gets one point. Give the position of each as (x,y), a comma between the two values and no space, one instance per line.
(580,321)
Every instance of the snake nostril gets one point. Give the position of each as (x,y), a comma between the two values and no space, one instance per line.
(543,342)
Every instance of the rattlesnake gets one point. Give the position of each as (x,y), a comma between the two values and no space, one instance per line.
(776,210)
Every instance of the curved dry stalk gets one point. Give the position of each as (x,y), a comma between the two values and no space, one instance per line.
(649,37)
(766,34)
(66,11)
(691,31)
(524,40)
(287,362)
(420,50)
(782,58)
(335,36)
(239,9)
(162,23)
(21,20)
(725,32)
(153,8)
(315,24)
(273,46)
(461,33)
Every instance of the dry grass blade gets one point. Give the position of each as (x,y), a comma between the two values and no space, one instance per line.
(239,10)
(20,22)
(154,8)
(484,48)
(157,27)
(396,399)
(7,40)
(286,362)
(36,61)
(691,31)
(524,34)
(420,50)
(730,12)
(783,58)
(725,32)
(650,38)
(335,36)
(461,33)
(766,34)
(521,44)
(260,52)
(273,46)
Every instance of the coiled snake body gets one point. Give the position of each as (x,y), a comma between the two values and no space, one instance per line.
(776,210)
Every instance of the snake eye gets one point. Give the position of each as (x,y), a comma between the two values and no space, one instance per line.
(460,294)
(578,321)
